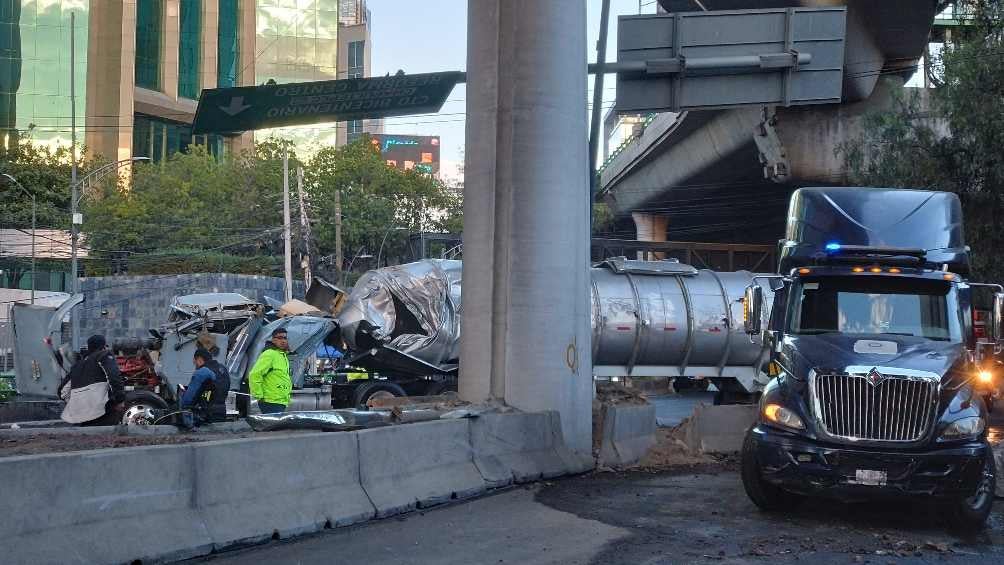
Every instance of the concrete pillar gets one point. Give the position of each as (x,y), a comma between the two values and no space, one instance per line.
(111,68)
(526,337)
(650,227)
(208,59)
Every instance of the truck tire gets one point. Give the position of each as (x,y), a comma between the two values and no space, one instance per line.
(139,407)
(367,390)
(969,513)
(765,495)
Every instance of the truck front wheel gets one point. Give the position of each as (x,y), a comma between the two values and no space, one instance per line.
(969,513)
(765,495)
(141,407)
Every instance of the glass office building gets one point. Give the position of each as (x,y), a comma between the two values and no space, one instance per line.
(296,42)
(35,70)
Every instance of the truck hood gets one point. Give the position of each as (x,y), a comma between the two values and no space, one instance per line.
(835,352)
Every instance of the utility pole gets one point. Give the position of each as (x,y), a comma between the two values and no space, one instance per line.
(288,254)
(305,230)
(595,128)
(338,257)
(76,219)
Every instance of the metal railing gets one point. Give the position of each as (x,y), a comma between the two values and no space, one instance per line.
(627,142)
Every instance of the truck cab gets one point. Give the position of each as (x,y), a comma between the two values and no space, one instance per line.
(880,385)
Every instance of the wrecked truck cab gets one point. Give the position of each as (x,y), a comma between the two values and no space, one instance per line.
(874,360)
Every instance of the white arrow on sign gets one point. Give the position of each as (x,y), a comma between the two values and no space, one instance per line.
(236,106)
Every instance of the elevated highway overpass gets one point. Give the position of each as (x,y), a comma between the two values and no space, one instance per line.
(726,175)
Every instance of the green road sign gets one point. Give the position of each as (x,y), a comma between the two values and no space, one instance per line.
(234,110)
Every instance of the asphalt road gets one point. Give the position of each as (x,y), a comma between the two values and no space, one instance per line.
(638,518)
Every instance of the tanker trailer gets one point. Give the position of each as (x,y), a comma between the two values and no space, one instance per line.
(649,318)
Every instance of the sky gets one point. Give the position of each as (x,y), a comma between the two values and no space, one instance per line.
(430,36)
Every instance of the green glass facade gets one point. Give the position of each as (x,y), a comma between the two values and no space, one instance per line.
(189,48)
(297,40)
(149,35)
(35,70)
(228,44)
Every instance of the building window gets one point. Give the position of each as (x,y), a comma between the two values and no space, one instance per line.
(357,58)
(159,139)
(149,32)
(189,49)
(354,129)
(228,46)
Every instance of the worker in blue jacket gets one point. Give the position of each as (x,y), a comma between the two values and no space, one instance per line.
(206,395)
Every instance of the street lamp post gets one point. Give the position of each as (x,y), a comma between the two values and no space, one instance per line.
(76,220)
(34,211)
(385,234)
(361,254)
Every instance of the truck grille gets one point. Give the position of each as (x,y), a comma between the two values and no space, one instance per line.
(894,409)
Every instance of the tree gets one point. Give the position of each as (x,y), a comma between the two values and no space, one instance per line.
(375,199)
(195,212)
(168,216)
(44,172)
(955,145)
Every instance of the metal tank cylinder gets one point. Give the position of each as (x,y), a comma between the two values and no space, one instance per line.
(669,319)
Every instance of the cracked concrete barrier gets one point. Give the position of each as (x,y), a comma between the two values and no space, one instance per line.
(251,489)
(522,447)
(628,432)
(418,465)
(104,506)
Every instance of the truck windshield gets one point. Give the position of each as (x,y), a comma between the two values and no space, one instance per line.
(875,305)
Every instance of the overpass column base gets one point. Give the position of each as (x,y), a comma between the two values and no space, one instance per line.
(526,336)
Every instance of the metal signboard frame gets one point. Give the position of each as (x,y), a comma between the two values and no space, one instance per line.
(727,59)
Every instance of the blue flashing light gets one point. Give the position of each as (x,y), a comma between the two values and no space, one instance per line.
(833,246)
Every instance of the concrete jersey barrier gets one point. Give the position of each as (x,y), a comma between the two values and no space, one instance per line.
(104,506)
(628,432)
(250,489)
(519,448)
(418,465)
(173,502)
(719,429)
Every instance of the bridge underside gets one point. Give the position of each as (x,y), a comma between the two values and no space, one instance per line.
(726,175)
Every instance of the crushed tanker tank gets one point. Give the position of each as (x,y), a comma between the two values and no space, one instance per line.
(649,318)
(405,318)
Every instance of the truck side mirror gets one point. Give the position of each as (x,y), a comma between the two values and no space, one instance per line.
(997,319)
(753,309)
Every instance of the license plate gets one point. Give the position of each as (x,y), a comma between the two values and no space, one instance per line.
(870,478)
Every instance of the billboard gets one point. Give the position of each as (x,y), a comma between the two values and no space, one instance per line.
(409,152)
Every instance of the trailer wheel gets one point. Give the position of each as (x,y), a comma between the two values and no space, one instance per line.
(140,406)
(376,389)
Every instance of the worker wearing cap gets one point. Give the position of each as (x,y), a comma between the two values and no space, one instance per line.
(269,379)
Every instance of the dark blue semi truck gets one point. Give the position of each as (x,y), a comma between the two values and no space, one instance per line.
(880,385)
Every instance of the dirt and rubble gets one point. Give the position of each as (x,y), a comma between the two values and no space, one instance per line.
(43,444)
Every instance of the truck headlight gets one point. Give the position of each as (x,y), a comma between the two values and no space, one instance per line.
(985,377)
(964,428)
(782,416)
